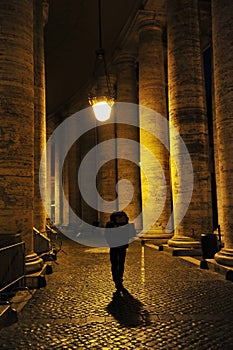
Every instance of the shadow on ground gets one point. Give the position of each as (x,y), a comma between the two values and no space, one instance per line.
(127,310)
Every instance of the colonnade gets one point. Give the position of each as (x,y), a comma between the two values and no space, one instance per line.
(164,75)
(22,112)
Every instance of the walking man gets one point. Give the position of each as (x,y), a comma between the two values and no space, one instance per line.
(117,235)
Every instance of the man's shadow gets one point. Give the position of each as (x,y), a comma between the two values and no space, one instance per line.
(127,310)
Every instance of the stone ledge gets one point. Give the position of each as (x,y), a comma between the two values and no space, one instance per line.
(176,251)
(21,298)
(36,280)
(182,251)
(153,246)
(223,270)
(9,309)
(156,239)
(8,315)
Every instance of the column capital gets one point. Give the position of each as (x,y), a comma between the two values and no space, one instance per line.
(125,57)
(148,20)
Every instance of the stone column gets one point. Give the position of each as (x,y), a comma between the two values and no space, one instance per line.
(78,151)
(126,78)
(152,94)
(220,208)
(17,124)
(58,212)
(89,213)
(53,187)
(106,177)
(66,178)
(127,92)
(73,161)
(39,112)
(49,183)
(50,167)
(187,112)
(62,178)
(222,26)
(107,174)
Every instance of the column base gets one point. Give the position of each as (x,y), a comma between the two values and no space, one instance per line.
(224,257)
(155,237)
(33,263)
(184,242)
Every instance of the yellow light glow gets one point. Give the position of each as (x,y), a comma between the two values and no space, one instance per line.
(102,110)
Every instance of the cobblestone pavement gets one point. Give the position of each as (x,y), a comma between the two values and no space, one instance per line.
(169,304)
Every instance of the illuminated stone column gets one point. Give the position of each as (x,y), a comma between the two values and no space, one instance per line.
(39,112)
(127,92)
(50,167)
(66,178)
(76,153)
(106,179)
(49,183)
(220,208)
(222,27)
(54,186)
(152,94)
(58,188)
(73,180)
(107,174)
(17,124)
(66,189)
(187,112)
(83,140)
(88,141)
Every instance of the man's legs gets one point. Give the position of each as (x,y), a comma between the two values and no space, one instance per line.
(121,264)
(114,264)
(117,258)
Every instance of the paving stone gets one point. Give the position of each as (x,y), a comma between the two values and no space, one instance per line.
(172,304)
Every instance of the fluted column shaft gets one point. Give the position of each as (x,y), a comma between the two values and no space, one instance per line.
(17,122)
(187,113)
(222,27)
(39,115)
(152,94)
(127,92)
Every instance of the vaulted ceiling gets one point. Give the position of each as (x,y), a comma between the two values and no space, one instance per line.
(71,38)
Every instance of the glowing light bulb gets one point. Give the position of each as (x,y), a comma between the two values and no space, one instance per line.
(102,110)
